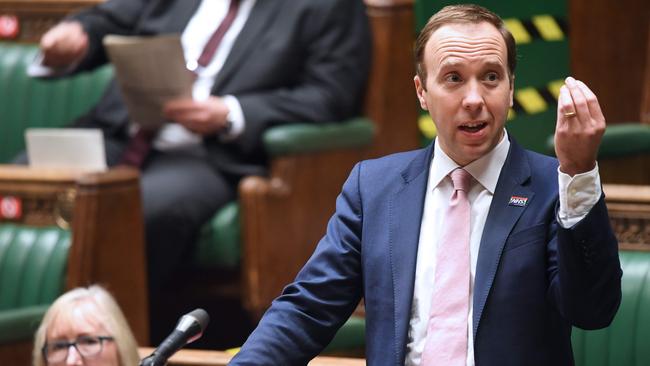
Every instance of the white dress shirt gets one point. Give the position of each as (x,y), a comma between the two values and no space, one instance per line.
(204,22)
(578,195)
(198,31)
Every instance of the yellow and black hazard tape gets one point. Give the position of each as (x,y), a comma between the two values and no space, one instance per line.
(544,27)
(526,101)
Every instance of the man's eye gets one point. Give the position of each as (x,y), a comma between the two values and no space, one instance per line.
(492,76)
(453,78)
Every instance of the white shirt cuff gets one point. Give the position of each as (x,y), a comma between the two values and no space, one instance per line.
(37,70)
(578,195)
(235,117)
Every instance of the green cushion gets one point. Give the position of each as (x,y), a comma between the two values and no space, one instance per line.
(27,102)
(619,140)
(219,243)
(20,324)
(305,138)
(32,274)
(32,264)
(351,336)
(625,342)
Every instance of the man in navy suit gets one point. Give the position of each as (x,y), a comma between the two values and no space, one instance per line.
(542,254)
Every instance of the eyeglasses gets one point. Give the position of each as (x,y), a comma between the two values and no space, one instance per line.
(86,346)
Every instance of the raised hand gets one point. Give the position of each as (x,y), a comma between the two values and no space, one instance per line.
(579,129)
(64,44)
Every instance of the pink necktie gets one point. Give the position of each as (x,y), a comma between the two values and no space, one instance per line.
(446,342)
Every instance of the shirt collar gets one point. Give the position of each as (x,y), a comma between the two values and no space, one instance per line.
(485,169)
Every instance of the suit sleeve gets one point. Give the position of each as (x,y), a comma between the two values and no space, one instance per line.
(304,319)
(586,283)
(329,85)
(112,17)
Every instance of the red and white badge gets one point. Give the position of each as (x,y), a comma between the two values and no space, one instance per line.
(9,26)
(11,208)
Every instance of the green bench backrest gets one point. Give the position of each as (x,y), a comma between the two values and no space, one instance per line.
(32,265)
(627,341)
(27,102)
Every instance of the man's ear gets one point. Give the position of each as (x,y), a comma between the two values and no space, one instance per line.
(512,90)
(420,91)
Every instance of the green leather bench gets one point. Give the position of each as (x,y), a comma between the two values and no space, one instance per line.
(625,341)
(27,102)
(32,267)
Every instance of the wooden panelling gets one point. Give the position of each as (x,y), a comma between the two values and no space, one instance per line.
(609,51)
(104,214)
(37,16)
(629,212)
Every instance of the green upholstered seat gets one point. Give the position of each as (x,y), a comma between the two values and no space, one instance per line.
(27,102)
(350,337)
(619,140)
(219,243)
(625,342)
(32,274)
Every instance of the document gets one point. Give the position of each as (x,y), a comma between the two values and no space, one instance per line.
(66,148)
(150,71)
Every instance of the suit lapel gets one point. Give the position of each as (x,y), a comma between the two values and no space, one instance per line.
(500,221)
(405,217)
(183,13)
(263,12)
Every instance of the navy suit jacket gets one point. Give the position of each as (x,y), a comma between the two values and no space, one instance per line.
(534,279)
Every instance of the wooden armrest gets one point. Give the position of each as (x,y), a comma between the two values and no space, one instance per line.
(103,212)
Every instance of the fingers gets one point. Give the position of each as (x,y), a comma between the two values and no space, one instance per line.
(183,111)
(579,100)
(592,101)
(577,103)
(64,44)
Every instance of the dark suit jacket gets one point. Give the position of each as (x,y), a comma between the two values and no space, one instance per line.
(534,279)
(294,61)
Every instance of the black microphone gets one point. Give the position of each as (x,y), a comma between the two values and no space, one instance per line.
(190,327)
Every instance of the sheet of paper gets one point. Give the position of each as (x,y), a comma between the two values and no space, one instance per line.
(150,71)
(66,148)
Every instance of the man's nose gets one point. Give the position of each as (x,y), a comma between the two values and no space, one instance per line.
(74,358)
(473,98)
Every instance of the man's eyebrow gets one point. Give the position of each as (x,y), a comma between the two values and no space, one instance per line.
(495,64)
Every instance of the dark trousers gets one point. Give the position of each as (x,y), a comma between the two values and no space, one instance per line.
(180,192)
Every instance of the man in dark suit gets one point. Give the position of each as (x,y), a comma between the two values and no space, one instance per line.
(540,255)
(279,61)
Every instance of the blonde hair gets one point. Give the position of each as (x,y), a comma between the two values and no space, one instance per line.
(109,315)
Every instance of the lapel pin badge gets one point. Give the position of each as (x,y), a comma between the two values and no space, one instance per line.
(518,201)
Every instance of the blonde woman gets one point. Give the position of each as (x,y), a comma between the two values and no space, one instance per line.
(85,326)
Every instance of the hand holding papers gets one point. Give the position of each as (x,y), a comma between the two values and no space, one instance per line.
(150,72)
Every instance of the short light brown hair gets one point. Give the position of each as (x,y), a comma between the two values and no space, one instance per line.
(467,13)
(108,314)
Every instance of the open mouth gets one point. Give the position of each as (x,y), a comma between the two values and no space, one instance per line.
(473,127)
